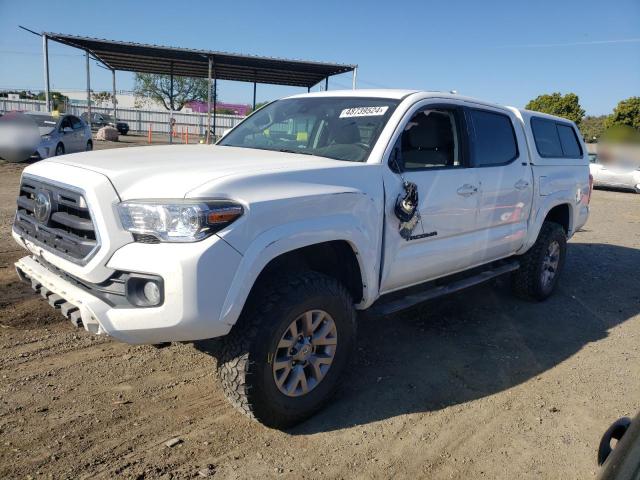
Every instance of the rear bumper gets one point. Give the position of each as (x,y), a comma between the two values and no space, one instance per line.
(196,281)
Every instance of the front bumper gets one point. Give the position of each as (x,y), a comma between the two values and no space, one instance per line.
(196,279)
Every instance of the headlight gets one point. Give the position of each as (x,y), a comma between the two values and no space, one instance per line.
(46,138)
(178,220)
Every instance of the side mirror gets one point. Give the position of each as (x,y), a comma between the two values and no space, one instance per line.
(67,130)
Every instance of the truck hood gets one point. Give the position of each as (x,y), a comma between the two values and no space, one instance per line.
(172,171)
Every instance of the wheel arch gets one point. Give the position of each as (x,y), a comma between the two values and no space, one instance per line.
(335,258)
(557,210)
(347,257)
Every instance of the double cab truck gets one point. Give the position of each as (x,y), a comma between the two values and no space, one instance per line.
(315,207)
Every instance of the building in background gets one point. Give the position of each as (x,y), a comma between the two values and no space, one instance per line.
(221,107)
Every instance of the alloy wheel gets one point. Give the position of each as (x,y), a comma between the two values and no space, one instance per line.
(550,264)
(305,353)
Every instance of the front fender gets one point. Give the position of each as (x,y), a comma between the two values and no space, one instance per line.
(291,236)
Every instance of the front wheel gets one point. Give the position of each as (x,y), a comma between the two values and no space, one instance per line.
(283,360)
(59,149)
(540,267)
(89,146)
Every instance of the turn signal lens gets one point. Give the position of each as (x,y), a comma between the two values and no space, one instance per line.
(224,215)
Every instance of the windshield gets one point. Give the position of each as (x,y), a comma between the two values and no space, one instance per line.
(342,128)
(44,120)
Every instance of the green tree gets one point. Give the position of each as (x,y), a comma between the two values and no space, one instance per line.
(259,105)
(627,112)
(593,127)
(100,97)
(58,100)
(158,88)
(566,106)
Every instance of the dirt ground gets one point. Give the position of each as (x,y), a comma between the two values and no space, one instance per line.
(478,385)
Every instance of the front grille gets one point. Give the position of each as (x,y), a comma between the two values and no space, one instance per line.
(66,228)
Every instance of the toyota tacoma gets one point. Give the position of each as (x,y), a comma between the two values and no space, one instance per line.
(313,208)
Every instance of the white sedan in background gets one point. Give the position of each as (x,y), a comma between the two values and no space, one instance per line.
(614,175)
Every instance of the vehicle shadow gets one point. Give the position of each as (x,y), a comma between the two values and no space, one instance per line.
(480,341)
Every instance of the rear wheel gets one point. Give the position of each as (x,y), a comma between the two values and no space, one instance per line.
(540,267)
(283,360)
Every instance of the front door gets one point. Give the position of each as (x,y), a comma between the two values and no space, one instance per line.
(432,153)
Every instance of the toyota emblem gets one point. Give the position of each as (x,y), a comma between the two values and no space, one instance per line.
(42,207)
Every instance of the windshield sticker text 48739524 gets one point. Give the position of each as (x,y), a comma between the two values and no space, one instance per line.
(363,112)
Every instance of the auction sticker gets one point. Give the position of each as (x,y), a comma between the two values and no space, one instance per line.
(363,112)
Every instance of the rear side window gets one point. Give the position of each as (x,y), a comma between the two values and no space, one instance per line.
(568,141)
(77,124)
(555,139)
(494,142)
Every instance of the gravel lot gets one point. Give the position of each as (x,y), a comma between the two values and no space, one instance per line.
(478,385)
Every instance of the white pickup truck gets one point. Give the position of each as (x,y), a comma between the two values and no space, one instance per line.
(313,207)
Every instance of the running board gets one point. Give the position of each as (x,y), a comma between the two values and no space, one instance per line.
(382,308)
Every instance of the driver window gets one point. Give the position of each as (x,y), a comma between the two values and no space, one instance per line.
(431,140)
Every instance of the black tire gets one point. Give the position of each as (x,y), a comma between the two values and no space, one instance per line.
(245,358)
(59,149)
(89,146)
(527,282)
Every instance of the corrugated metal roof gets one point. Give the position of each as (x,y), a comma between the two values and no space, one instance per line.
(143,58)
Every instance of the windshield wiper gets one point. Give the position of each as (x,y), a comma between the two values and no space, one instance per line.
(288,150)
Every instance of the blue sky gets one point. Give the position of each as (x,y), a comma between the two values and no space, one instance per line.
(502,51)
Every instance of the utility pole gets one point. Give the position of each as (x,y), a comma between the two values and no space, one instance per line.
(88,90)
(113,94)
(45,54)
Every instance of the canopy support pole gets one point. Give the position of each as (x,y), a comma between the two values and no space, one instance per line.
(89,117)
(326,83)
(113,96)
(254,95)
(355,76)
(215,104)
(171,105)
(209,102)
(45,54)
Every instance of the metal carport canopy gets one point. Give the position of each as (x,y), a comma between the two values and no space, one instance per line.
(143,58)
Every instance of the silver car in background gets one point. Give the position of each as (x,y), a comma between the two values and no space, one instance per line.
(36,135)
(619,175)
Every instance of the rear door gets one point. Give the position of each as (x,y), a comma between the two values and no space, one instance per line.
(69,135)
(430,150)
(79,133)
(499,157)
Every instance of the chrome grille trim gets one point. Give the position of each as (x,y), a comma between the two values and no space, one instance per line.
(70,230)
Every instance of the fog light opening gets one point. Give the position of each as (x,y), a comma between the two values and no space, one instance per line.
(144,290)
(152,293)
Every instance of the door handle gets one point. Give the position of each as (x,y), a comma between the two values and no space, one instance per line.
(467,190)
(521,184)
